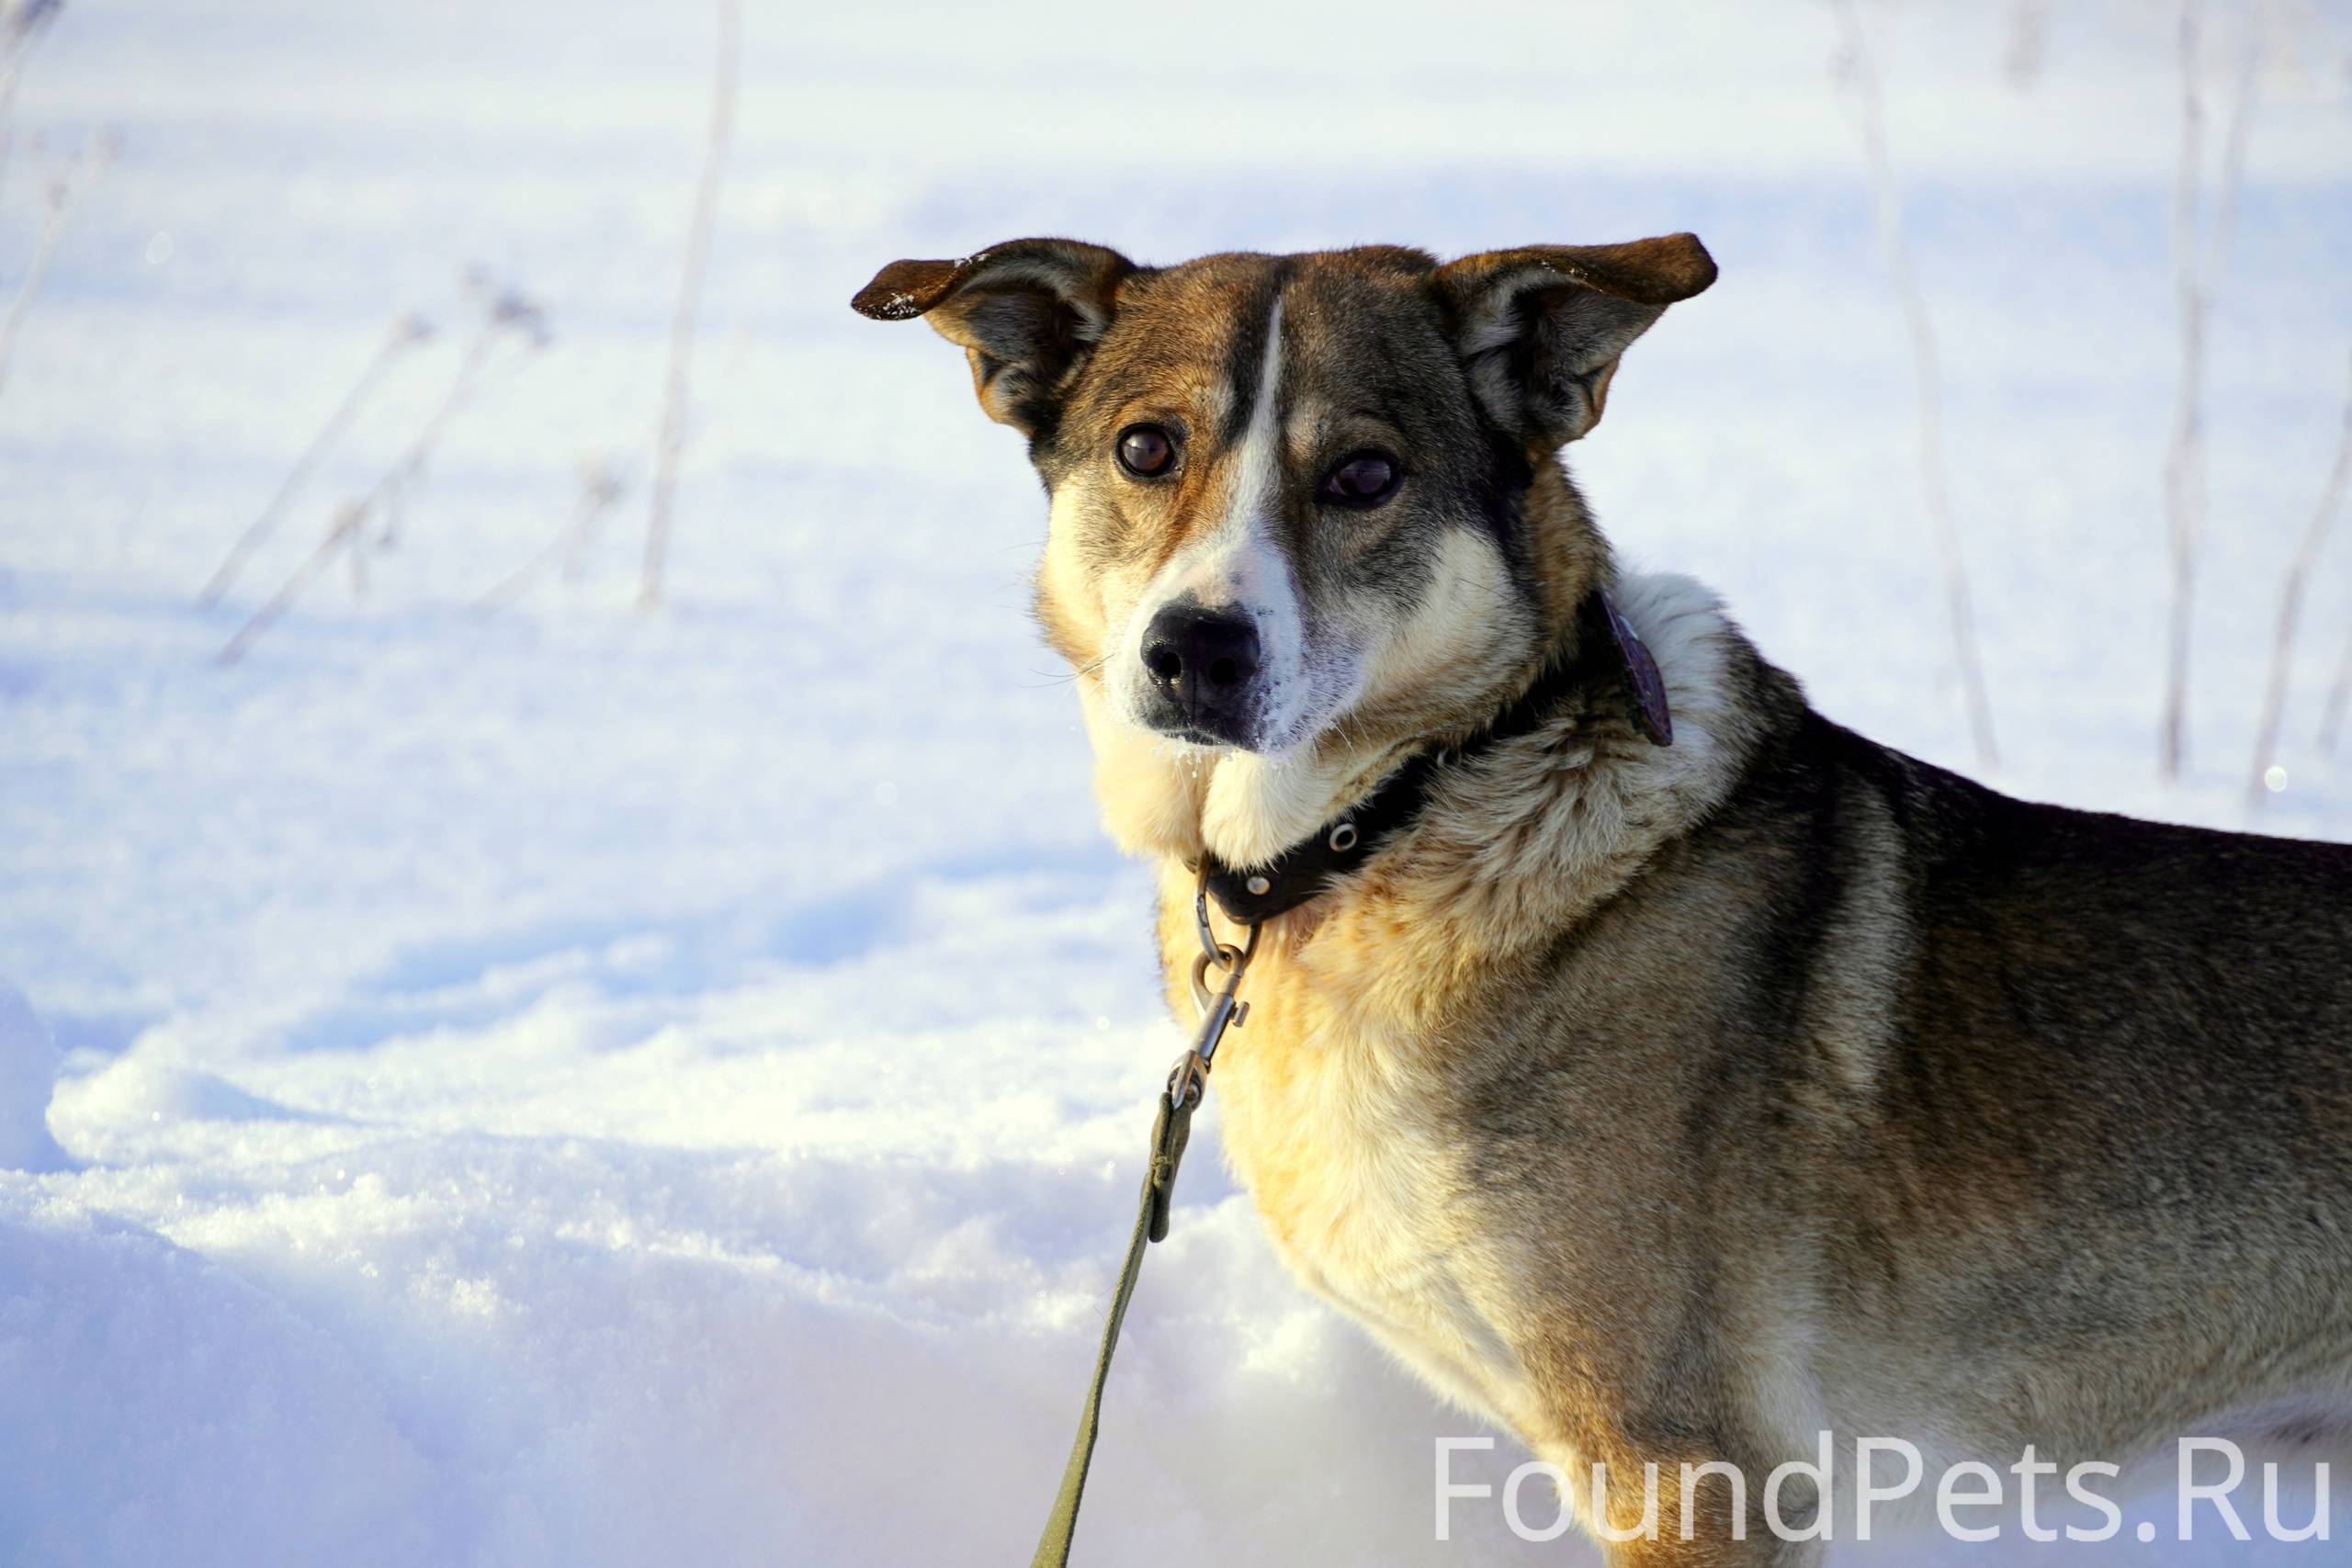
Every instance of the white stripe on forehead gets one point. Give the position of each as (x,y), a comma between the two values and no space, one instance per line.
(1258,475)
(1237,561)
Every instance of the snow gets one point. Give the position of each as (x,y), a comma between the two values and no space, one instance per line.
(28,1075)
(562,1085)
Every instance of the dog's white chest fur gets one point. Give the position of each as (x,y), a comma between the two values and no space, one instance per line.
(1329,1132)
(1329,1094)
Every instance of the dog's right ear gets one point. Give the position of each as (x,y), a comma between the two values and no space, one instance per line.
(1026,313)
(1540,328)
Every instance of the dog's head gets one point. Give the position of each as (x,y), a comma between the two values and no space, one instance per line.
(1296,497)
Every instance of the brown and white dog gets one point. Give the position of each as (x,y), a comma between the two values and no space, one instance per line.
(1667,1103)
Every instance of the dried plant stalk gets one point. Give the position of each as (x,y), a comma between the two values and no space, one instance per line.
(2196,273)
(407,330)
(672,440)
(22,23)
(1888,201)
(2184,459)
(2027,38)
(389,490)
(2290,604)
(348,530)
(348,522)
(600,488)
(65,189)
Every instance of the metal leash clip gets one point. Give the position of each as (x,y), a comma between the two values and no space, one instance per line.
(1218,1008)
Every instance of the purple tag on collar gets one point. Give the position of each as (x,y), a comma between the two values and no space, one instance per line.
(1644,688)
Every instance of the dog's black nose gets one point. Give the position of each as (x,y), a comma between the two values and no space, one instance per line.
(1202,659)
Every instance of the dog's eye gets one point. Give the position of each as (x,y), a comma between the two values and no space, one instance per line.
(1146,450)
(1366,479)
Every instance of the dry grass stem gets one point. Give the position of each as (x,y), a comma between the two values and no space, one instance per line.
(66,188)
(1959,605)
(670,442)
(407,330)
(2291,604)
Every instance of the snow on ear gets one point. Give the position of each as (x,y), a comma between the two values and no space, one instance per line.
(1539,327)
(1024,312)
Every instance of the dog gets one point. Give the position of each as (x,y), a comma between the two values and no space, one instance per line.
(1674,1076)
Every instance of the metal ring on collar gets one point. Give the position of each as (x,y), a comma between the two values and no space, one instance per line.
(1210,948)
(1201,913)
(1228,956)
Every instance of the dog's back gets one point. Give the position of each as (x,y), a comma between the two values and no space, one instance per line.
(1987,1120)
(2113,1121)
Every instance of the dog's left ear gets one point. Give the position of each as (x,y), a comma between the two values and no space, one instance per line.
(1026,313)
(1540,328)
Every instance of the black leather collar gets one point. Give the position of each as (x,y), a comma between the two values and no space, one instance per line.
(1348,840)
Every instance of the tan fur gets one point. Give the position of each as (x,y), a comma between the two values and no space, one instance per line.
(1324,1094)
(1663,1105)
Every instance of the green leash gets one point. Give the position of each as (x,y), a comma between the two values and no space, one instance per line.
(1168,1131)
(1171,1130)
